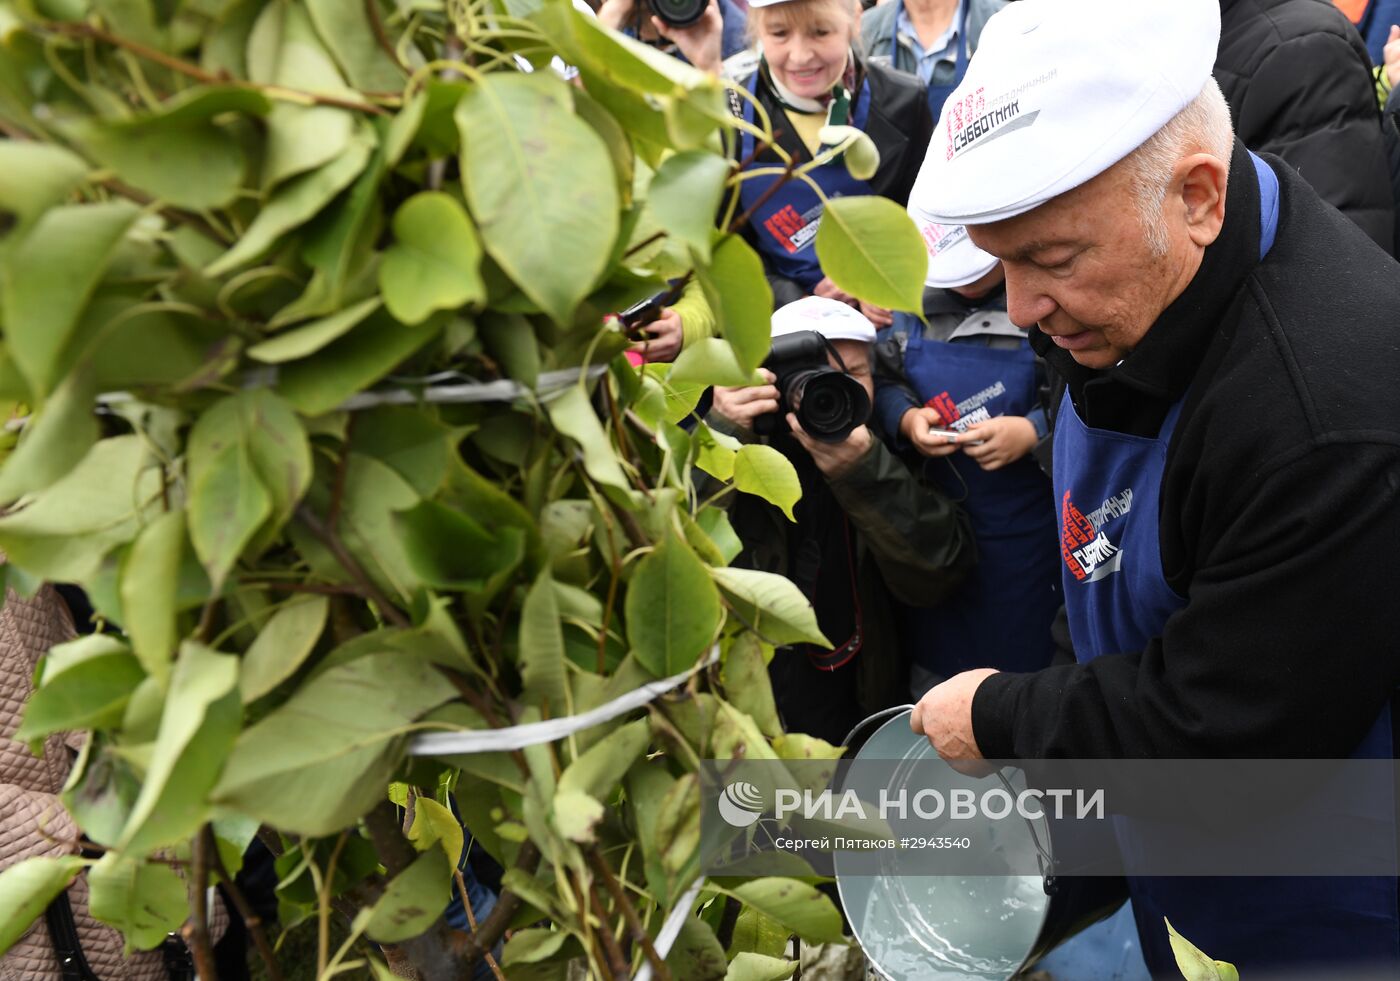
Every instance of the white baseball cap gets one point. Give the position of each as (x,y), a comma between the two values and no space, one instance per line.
(834,320)
(952,258)
(1058,92)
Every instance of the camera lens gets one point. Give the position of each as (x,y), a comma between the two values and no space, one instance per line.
(828,403)
(679,13)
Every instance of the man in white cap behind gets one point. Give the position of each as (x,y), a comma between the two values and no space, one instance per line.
(865,529)
(1227,450)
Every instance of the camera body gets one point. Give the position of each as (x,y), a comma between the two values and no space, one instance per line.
(678,13)
(827,402)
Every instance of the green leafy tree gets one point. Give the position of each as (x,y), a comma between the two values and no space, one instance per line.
(305,339)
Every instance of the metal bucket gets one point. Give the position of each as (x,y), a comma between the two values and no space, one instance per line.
(962,927)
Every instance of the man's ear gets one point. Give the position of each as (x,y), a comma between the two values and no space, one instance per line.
(1200,180)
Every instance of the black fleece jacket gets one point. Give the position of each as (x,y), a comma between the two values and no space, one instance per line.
(1280,507)
(1298,80)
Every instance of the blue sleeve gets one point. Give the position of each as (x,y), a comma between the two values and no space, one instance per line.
(893,396)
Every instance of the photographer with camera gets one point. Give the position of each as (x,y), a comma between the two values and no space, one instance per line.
(866,530)
(702,32)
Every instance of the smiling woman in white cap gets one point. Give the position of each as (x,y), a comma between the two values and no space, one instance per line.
(1226,453)
(865,530)
(810,76)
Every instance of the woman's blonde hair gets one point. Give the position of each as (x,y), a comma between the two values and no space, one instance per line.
(799,15)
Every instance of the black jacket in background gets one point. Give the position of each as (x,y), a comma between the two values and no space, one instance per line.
(1298,80)
(898,124)
(1280,508)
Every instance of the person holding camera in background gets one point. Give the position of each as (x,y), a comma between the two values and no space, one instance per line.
(965,391)
(702,32)
(866,528)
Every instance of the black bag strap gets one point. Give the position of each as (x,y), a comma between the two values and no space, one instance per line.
(63,934)
(68,948)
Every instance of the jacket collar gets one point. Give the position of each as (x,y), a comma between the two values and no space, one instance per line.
(1165,361)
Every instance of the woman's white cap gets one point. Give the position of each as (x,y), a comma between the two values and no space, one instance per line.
(834,320)
(952,258)
(1058,92)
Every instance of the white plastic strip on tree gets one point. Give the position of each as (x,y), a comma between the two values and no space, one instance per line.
(671,929)
(518,737)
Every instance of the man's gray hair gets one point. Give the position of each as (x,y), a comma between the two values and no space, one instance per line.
(1203,126)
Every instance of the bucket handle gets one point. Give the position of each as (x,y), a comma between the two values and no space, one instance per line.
(1043,858)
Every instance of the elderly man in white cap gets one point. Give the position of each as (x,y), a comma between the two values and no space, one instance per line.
(866,528)
(1227,450)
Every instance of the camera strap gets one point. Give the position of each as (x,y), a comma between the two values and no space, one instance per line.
(840,656)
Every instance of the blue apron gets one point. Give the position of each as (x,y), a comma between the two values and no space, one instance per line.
(1107,486)
(937,94)
(785,225)
(1000,617)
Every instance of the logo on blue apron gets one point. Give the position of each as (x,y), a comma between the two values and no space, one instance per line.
(1089,553)
(791,230)
(959,416)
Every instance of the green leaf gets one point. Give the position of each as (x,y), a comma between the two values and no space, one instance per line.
(370,351)
(178,154)
(573,415)
(27,888)
(739,294)
(532,946)
(283,49)
(541,184)
(65,533)
(794,904)
(413,900)
(146,901)
(744,675)
(309,338)
(346,29)
(1195,965)
(197,727)
(86,684)
(292,205)
(435,261)
(319,761)
(672,608)
(450,550)
(714,522)
(47,280)
(434,824)
(34,177)
(799,746)
(147,583)
(716,453)
(755,933)
(770,604)
(417,446)
(685,197)
(870,248)
(758,967)
(710,361)
(510,340)
(763,471)
(227,507)
(282,645)
(599,771)
(736,736)
(697,954)
(576,816)
(542,645)
(55,440)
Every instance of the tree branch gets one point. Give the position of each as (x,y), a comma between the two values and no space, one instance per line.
(351,565)
(604,871)
(251,919)
(196,930)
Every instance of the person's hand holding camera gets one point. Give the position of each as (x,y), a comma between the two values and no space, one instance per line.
(700,42)
(914,426)
(617,14)
(741,406)
(826,288)
(833,459)
(1005,439)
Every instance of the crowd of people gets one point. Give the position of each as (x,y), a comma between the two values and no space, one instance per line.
(1152,381)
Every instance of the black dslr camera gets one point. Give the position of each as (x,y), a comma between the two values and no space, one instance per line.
(678,13)
(828,403)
